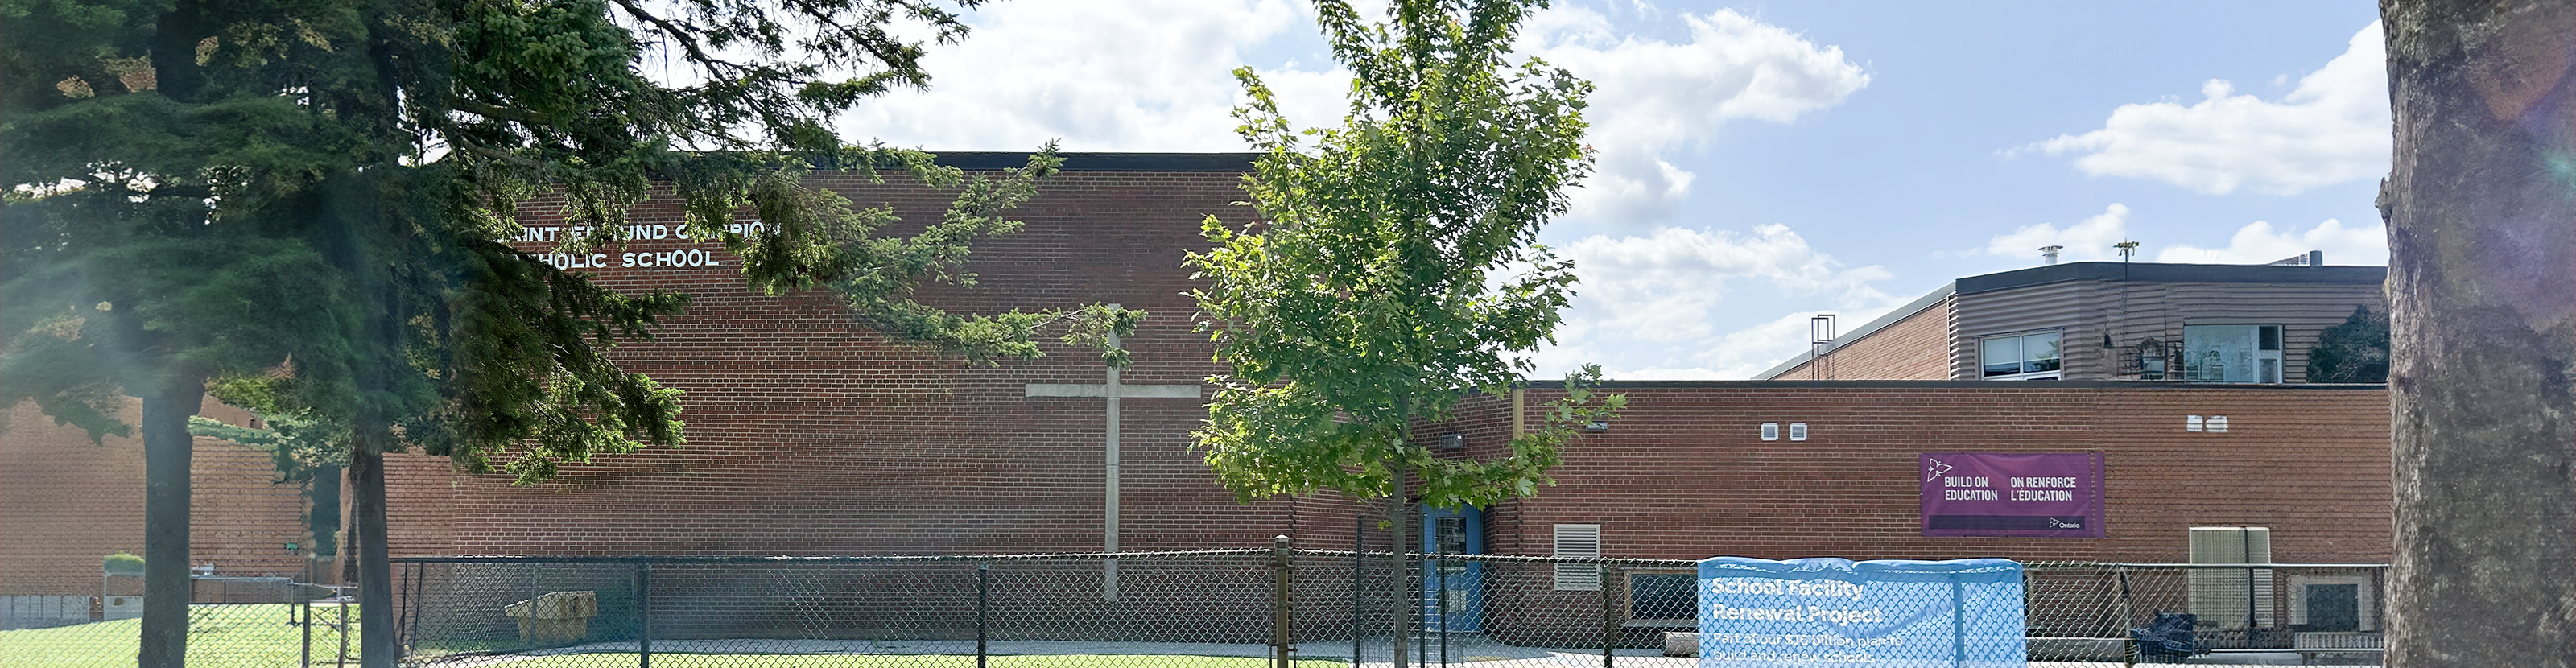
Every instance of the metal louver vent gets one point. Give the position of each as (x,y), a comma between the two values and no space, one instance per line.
(2232,598)
(1578,540)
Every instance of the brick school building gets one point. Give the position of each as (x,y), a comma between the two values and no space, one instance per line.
(808,436)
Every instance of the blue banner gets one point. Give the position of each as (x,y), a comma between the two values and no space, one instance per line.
(1758,613)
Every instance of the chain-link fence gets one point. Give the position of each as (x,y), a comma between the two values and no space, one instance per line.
(233,622)
(2205,613)
(1261,607)
(1200,608)
(1213,608)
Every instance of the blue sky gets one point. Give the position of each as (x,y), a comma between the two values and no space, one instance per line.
(1760,163)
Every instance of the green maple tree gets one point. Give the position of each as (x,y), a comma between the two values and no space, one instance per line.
(1397,270)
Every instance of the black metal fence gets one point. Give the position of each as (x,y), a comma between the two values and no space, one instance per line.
(1247,607)
(2205,613)
(1299,607)
(1212,608)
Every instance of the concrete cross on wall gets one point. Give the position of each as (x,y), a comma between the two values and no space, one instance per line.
(1111,390)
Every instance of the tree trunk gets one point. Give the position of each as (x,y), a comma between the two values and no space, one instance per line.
(376,635)
(322,517)
(167,449)
(2481,210)
(1400,515)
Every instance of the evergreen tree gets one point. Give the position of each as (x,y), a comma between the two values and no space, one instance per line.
(308,455)
(297,202)
(1397,271)
(2353,352)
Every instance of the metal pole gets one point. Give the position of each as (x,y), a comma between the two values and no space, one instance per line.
(308,625)
(2245,538)
(343,658)
(2249,607)
(1609,615)
(644,615)
(1109,503)
(983,613)
(1958,624)
(1281,644)
(1443,567)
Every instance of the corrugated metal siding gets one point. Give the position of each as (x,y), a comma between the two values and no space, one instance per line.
(2133,311)
(2054,305)
(2302,310)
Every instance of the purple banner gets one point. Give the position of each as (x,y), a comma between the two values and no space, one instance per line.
(2029,494)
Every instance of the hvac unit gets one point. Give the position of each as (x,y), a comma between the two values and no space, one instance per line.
(2232,598)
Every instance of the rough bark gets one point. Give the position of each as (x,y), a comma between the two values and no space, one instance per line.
(167,449)
(377,642)
(2481,210)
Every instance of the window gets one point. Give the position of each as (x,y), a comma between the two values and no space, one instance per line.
(2027,356)
(2330,603)
(1663,597)
(1578,540)
(2231,353)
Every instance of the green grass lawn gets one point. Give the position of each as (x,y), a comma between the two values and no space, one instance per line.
(258,636)
(219,636)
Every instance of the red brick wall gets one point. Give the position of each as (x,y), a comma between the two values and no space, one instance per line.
(1914,348)
(1684,474)
(65,502)
(809,436)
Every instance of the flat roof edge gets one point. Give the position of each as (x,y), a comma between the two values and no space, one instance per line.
(1902,312)
(2163,272)
(1106,162)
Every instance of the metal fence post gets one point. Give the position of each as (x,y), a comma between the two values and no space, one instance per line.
(1282,645)
(1609,615)
(983,613)
(307,605)
(644,614)
(1359,566)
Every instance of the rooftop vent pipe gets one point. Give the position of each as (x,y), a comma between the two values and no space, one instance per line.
(2048,254)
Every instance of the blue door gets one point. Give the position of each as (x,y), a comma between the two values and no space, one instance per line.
(1453,592)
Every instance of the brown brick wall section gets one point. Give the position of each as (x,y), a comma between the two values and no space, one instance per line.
(65,502)
(1914,348)
(1685,476)
(809,436)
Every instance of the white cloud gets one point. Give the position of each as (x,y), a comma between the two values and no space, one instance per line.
(2088,239)
(2259,243)
(1654,98)
(2334,127)
(1647,304)
(1152,75)
(1155,75)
